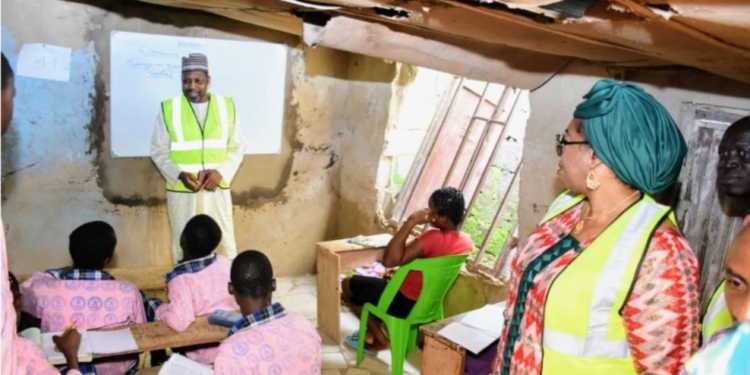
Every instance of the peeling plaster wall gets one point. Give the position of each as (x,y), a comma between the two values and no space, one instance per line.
(363,128)
(552,108)
(57,163)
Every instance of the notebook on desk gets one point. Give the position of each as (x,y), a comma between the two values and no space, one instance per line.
(179,365)
(92,342)
(478,329)
(85,352)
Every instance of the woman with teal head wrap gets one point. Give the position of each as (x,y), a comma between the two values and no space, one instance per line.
(633,134)
(629,304)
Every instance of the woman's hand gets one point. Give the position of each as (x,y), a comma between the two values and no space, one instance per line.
(422,216)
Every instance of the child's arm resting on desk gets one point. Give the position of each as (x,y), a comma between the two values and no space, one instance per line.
(178,312)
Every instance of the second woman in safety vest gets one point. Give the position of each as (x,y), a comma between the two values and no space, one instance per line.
(606,284)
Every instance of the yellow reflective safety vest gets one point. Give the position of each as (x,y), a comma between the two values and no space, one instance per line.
(195,149)
(717,315)
(584,332)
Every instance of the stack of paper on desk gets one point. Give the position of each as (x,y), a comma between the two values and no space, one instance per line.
(378,240)
(92,342)
(179,365)
(478,329)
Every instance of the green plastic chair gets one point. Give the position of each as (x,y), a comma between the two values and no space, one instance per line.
(438,276)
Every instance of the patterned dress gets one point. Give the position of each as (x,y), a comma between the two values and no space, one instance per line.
(661,314)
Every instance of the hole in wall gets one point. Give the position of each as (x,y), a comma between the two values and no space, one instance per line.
(392,13)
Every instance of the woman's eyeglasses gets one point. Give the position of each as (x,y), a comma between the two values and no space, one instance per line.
(561,142)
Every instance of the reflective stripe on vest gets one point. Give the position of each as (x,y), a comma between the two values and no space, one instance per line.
(583,330)
(717,315)
(195,149)
(562,203)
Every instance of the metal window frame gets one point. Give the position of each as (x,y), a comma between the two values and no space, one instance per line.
(509,97)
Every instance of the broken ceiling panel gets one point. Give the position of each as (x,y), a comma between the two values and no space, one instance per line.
(704,34)
(570,8)
(507,30)
(279,21)
(528,3)
(726,20)
(682,44)
(518,68)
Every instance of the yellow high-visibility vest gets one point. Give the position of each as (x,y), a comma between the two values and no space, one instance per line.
(717,315)
(195,149)
(583,330)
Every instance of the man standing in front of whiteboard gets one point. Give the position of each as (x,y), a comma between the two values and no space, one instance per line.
(197,146)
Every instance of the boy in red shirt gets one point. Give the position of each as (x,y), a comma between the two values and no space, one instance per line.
(445,213)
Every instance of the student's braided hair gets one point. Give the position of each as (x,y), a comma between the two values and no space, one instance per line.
(449,202)
(251,274)
(201,235)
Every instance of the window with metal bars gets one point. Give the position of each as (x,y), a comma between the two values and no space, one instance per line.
(475,144)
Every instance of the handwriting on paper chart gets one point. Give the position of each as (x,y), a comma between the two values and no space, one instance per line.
(44,61)
(156,69)
(157,63)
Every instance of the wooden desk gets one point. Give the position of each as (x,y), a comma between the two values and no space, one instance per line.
(158,335)
(440,355)
(335,257)
(149,371)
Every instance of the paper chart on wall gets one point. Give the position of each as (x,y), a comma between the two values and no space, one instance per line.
(44,61)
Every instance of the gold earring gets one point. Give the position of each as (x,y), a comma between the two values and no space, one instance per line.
(592,182)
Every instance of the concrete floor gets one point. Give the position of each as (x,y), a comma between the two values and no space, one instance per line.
(299,294)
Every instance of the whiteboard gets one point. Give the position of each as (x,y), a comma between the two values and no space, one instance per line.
(146,69)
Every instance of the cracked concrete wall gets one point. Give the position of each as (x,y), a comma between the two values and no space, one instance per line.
(58,165)
(552,108)
(362,142)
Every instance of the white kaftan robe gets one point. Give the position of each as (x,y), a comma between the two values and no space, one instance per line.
(183,206)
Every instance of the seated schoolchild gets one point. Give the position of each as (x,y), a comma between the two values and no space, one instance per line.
(269,339)
(198,284)
(86,294)
(31,359)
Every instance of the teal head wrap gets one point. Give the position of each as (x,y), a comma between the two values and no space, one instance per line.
(633,134)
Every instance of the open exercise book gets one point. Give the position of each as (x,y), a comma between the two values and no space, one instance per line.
(92,342)
(478,329)
(179,365)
